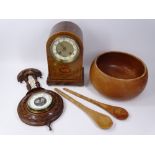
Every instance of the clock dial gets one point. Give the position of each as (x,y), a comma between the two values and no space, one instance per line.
(39,101)
(65,49)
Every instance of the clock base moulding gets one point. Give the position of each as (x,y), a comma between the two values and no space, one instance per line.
(78,82)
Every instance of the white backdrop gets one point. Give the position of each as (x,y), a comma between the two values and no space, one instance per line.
(22,45)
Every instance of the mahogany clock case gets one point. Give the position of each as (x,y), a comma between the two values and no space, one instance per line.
(60,73)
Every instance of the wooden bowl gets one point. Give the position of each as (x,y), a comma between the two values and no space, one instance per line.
(118,75)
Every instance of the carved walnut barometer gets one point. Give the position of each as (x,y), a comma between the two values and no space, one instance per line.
(39,106)
(65,55)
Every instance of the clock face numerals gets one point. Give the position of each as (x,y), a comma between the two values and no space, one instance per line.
(39,101)
(64,49)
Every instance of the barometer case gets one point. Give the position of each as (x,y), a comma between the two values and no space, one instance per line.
(39,106)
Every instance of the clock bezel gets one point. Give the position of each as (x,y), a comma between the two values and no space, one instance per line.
(71,60)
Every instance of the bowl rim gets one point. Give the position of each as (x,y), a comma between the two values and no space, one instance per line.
(121,79)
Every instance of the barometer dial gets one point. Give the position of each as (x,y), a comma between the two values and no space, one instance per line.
(39,101)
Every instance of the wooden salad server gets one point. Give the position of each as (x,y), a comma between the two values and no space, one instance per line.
(117,112)
(103,121)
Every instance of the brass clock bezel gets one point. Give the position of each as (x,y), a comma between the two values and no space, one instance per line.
(65,61)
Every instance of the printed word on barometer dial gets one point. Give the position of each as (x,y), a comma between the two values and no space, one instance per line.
(65,49)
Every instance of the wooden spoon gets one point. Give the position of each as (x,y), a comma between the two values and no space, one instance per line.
(118,112)
(103,121)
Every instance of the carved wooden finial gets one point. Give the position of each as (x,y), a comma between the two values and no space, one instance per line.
(30,77)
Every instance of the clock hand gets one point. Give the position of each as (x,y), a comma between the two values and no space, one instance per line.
(63,47)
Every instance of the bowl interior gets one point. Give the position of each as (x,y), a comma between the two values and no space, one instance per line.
(120,65)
